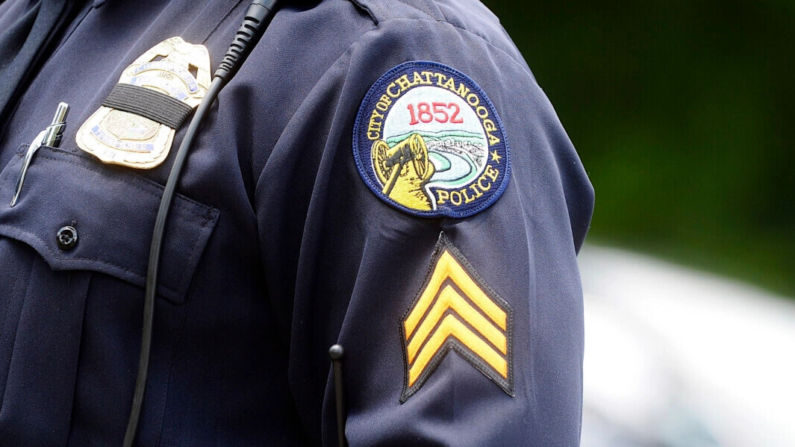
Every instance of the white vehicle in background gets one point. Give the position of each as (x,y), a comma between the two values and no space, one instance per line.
(677,358)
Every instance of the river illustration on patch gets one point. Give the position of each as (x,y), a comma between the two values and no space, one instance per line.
(428,141)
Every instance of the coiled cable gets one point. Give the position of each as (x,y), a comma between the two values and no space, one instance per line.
(258,17)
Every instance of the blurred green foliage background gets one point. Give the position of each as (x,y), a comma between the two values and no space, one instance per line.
(681,112)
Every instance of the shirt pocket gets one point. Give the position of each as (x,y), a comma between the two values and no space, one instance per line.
(111,211)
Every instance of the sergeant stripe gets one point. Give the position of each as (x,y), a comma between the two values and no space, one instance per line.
(448,267)
(449,298)
(456,310)
(452,326)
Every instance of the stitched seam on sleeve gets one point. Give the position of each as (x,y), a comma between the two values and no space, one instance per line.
(358,4)
(480,37)
(422,10)
(347,52)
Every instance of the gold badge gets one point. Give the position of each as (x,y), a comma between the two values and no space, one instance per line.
(136,124)
(456,310)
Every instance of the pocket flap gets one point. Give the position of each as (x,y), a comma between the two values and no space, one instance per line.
(113,211)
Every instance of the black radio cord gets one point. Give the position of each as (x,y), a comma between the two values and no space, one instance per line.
(258,17)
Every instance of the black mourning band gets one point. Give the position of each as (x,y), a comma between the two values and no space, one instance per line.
(148,103)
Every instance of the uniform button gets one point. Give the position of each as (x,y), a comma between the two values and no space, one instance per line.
(67,238)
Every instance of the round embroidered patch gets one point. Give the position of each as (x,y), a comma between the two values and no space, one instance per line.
(428,141)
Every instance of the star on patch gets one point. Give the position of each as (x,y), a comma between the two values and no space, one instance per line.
(495,157)
(456,311)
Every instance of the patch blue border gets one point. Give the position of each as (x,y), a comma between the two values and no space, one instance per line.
(362,155)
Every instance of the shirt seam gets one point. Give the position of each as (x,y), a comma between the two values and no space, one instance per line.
(459,28)
(424,11)
(346,53)
(431,18)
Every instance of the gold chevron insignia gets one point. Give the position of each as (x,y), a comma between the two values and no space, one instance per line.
(456,310)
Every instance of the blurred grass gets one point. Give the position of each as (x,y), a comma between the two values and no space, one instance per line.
(682,113)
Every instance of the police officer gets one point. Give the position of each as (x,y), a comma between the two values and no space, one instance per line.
(383,174)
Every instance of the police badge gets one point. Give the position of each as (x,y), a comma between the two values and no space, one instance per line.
(136,123)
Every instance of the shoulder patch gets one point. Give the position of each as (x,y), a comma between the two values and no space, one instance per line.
(428,141)
(456,310)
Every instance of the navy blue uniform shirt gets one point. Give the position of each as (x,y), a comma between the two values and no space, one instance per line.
(284,240)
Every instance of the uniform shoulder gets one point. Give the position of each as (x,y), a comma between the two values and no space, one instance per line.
(469,16)
(442,10)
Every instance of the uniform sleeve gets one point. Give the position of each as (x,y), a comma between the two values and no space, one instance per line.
(442,260)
